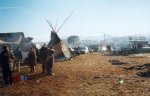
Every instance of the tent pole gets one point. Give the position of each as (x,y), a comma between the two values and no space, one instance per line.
(65,21)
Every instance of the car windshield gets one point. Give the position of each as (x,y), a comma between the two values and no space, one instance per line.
(81,48)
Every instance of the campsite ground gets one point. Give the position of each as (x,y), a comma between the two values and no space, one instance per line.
(92,74)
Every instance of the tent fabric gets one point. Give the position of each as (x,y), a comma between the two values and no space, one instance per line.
(61,51)
(54,39)
(11,37)
(16,39)
(27,46)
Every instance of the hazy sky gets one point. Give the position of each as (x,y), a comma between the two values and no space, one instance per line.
(89,18)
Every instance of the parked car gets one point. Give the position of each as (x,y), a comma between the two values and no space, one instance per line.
(81,50)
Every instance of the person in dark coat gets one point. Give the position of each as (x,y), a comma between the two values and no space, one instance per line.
(32,59)
(18,59)
(6,62)
(50,61)
(38,55)
(43,56)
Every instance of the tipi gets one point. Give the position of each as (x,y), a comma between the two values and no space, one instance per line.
(61,50)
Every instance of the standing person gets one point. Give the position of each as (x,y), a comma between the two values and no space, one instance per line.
(43,56)
(18,59)
(6,62)
(32,59)
(50,61)
(38,55)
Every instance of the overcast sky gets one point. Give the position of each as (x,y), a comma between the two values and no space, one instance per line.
(89,18)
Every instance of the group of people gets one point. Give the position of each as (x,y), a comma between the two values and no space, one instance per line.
(47,59)
(10,61)
(46,55)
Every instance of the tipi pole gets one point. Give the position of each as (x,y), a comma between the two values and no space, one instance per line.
(65,21)
(56,23)
(50,24)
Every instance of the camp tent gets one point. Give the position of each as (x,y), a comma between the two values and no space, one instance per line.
(61,51)
(16,39)
(11,39)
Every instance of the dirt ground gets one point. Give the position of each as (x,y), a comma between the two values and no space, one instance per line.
(92,74)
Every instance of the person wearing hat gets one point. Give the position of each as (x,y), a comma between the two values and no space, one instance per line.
(6,62)
(50,61)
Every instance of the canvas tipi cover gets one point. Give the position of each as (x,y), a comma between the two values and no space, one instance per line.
(61,51)
(12,37)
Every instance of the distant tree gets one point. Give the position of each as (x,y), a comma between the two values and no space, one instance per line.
(73,40)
